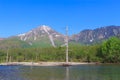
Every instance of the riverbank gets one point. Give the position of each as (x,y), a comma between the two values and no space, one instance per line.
(44,63)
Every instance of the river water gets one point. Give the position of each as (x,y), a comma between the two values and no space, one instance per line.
(80,72)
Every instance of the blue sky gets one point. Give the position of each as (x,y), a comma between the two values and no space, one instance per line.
(20,16)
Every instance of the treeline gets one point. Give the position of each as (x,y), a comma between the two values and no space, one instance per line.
(107,52)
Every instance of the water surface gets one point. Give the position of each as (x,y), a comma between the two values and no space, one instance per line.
(81,72)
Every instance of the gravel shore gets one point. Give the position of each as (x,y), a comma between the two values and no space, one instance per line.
(44,63)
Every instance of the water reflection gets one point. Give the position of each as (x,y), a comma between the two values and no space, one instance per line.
(67,73)
(10,73)
(82,72)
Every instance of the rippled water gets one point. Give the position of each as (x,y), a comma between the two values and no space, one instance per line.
(81,72)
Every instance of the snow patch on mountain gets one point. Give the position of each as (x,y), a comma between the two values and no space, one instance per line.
(42,33)
(21,35)
(46,29)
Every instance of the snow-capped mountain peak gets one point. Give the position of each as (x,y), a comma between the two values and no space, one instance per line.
(44,27)
(42,32)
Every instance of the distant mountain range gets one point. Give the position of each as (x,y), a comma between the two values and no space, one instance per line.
(44,36)
(95,36)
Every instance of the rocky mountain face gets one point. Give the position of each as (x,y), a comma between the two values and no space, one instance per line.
(42,35)
(96,35)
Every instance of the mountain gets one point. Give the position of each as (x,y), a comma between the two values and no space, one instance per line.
(1,39)
(42,36)
(95,36)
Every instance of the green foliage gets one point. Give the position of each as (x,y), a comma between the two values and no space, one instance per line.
(111,50)
(13,43)
(76,53)
(2,56)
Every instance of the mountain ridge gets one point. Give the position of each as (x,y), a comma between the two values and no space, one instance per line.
(89,36)
(42,32)
(45,36)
